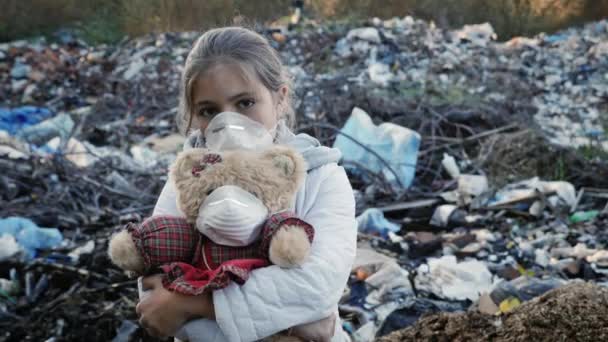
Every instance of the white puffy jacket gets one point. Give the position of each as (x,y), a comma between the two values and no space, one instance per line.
(274,299)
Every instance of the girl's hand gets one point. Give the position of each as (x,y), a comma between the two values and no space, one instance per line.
(162,312)
(321,330)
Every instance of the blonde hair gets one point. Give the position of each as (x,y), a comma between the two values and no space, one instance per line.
(233,45)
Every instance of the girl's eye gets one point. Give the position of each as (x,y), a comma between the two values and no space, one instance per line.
(246,103)
(207,112)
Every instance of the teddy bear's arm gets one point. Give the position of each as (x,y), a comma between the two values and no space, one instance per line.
(124,253)
(286,239)
(158,240)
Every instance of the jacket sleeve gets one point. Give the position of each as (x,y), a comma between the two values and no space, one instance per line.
(273,298)
(167,203)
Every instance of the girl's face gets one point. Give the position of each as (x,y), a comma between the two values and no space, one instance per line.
(225,88)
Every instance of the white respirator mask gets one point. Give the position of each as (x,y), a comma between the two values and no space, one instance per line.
(230,131)
(231,216)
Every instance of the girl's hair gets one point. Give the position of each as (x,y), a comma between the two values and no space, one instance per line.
(233,45)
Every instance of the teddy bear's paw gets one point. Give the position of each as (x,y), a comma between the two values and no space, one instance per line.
(289,247)
(123,253)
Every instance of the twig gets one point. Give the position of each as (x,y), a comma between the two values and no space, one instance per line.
(81,271)
(471,138)
(111,286)
(112,190)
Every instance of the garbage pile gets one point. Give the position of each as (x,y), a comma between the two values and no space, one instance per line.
(477,249)
(478,168)
(576,312)
(560,80)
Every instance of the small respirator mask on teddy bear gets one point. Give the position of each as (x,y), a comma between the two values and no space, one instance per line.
(231,216)
(229,131)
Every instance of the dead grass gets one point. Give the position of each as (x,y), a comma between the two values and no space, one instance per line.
(107,20)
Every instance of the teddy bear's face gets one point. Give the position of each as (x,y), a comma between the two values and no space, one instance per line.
(273,176)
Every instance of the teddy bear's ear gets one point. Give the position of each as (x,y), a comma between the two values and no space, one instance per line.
(182,166)
(192,162)
(284,163)
(288,162)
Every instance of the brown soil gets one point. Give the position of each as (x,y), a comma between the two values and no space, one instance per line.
(577,312)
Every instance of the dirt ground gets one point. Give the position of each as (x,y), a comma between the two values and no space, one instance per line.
(576,312)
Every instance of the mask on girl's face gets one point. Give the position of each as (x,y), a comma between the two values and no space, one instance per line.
(231,216)
(230,131)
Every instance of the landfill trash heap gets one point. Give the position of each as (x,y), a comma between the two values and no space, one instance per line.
(479,167)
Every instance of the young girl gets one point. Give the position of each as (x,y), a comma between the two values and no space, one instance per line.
(236,70)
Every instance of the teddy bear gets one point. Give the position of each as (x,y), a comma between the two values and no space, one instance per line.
(192,254)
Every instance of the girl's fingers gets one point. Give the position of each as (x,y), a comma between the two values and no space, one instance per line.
(150,282)
(138,310)
(149,329)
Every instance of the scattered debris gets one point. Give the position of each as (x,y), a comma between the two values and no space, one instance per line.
(449,279)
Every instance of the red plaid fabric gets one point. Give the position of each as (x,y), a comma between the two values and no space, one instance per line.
(190,280)
(279,220)
(192,264)
(219,254)
(164,239)
(214,267)
(208,159)
(211,158)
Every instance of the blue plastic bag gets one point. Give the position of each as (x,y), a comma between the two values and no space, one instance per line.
(60,125)
(13,120)
(556,38)
(29,236)
(372,221)
(396,145)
